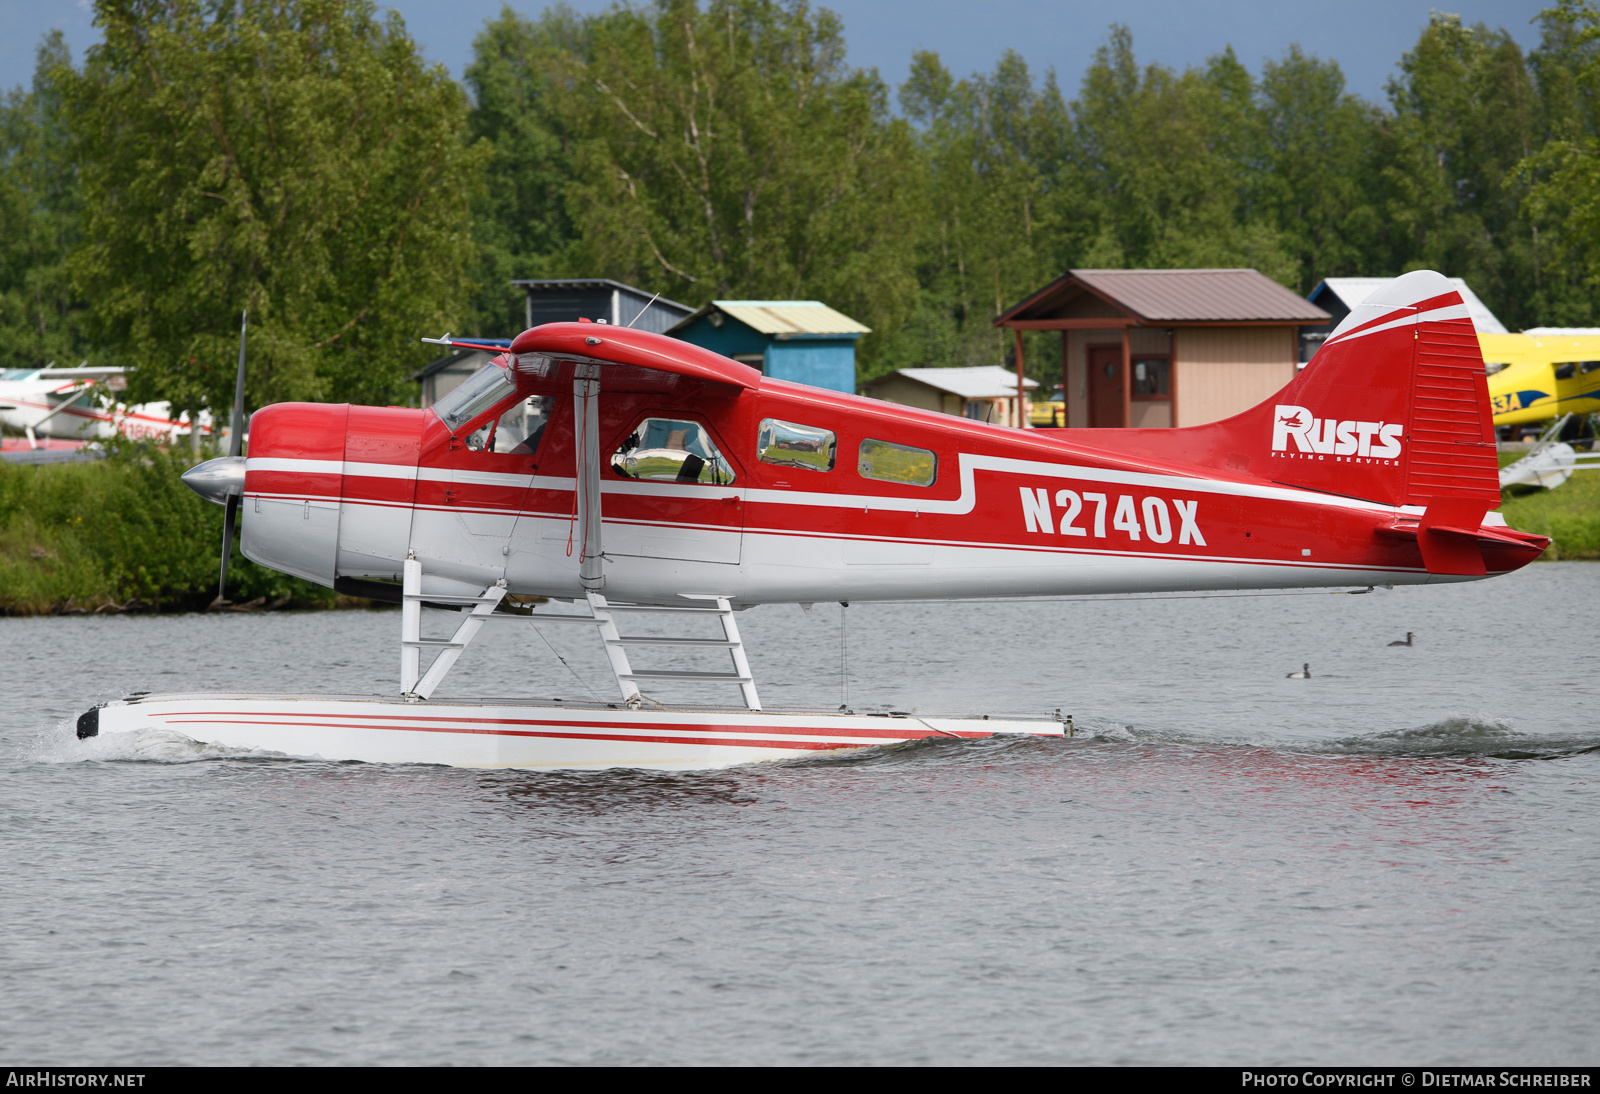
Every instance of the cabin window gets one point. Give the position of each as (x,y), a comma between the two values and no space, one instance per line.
(1587,367)
(517,431)
(670,450)
(1567,370)
(789,445)
(889,462)
(1152,378)
(473,396)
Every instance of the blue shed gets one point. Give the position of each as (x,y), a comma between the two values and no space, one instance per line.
(800,340)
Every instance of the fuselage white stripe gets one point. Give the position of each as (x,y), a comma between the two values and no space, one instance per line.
(970,463)
(960,545)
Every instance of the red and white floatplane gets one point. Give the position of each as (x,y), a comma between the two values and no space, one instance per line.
(53,408)
(593,475)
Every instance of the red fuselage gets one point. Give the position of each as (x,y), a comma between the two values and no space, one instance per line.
(348,492)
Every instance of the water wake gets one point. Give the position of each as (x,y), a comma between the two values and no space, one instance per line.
(1454,737)
(1459,736)
(1466,736)
(139,746)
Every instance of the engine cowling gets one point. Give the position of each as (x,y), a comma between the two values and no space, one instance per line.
(293,485)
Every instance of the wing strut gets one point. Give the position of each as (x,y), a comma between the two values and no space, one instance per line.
(586,431)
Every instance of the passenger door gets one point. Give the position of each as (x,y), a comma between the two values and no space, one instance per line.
(671,492)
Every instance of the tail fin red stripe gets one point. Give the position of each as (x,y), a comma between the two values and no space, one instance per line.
(1436,310)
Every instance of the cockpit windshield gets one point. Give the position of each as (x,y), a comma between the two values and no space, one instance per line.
(476,393)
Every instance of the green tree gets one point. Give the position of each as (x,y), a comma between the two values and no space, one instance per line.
(1164,162)
(41,317)
(1465,114)
(1559,181)
(727,151)
(520,215)
(1318,174)
(293,157)
(993,147)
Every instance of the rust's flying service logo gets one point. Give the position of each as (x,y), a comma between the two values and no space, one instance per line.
(1346,441)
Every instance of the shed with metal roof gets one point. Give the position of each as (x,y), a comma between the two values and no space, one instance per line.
(800,340)
(986,393)
(1338,296)
(1131,340)
(599,299)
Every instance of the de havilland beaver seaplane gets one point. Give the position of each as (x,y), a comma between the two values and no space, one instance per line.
(601,472)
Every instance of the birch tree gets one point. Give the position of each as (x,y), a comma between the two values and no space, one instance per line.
(730,152)
(292,157)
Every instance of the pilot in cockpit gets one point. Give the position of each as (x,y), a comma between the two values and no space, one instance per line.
(517,432)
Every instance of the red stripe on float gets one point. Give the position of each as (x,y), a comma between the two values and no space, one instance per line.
(652,739)
(199,716)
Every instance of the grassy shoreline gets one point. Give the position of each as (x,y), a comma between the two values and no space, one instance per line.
(1569,514)
(124,534)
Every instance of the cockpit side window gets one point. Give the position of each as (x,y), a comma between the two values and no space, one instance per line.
(671,450)
(517,431)
(474,395)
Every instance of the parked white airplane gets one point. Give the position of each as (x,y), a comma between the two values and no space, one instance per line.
(80,404)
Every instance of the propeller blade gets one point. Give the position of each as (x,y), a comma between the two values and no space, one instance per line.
(236,439)
(227,548)
(235,447)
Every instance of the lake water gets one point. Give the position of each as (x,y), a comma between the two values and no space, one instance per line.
(1395,861)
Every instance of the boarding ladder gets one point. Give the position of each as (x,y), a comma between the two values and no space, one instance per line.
(602,613)
(480,609)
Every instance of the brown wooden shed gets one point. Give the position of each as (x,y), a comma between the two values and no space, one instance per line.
(1151,348)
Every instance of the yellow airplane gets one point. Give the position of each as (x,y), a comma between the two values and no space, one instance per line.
(1049,413)
(1542,374)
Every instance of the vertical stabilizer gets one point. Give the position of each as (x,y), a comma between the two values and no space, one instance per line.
(1395,406)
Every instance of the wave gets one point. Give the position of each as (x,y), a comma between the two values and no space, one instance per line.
(1454,737)
(1466,736)
(138,746)
(1460,736)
